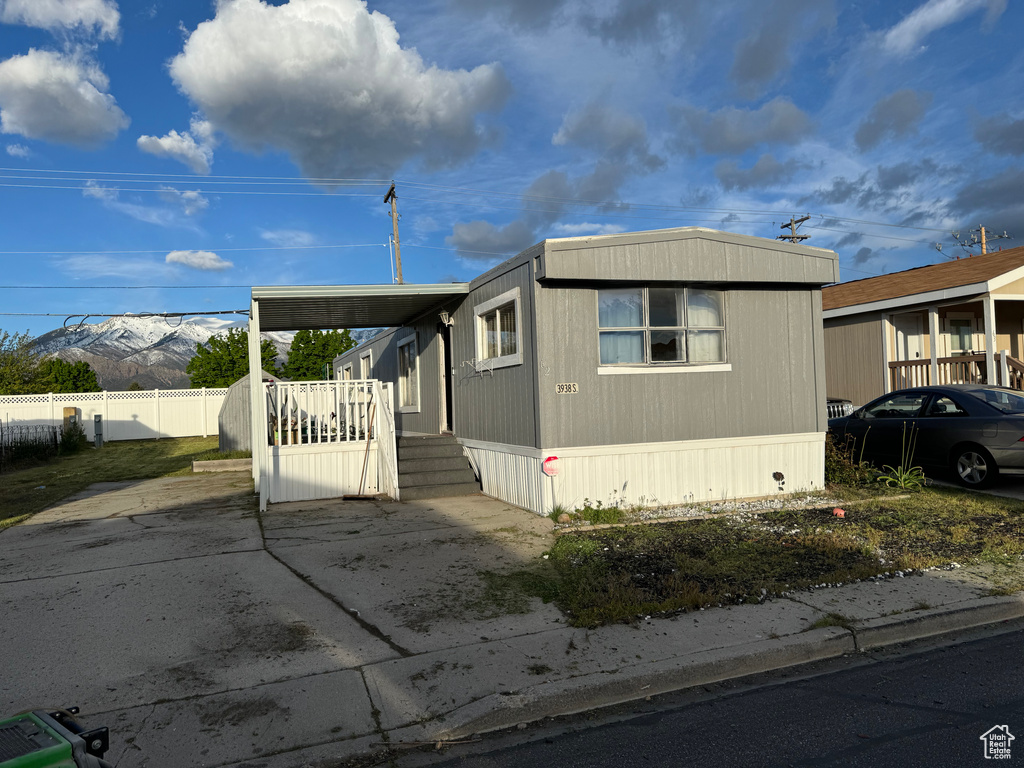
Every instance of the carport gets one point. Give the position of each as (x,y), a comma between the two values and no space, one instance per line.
(314,440)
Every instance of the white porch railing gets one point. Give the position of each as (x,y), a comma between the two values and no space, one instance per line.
(387,450)
(962,369)
(308,422)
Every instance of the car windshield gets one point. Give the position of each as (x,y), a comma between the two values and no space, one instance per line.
(1001,399)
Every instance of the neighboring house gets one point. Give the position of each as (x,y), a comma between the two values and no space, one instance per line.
(956,322)
(658,367)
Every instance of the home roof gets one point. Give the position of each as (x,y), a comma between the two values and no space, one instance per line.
(308,307)
(934,277)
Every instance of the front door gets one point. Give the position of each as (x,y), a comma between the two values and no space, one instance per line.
(908,337)
(444,336)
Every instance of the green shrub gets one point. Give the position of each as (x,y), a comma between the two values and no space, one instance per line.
(72,438)
(842,467)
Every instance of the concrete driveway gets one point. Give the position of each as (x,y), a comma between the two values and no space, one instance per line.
(203,635)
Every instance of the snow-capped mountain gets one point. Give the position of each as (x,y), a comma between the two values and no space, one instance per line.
(152,351)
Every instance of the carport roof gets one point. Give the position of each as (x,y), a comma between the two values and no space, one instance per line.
(309,307)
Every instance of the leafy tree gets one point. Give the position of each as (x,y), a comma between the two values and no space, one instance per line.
(56,375)
(17,364)
(135,387)
(311,350)
(224,359)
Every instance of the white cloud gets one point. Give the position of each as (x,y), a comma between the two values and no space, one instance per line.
(97,265)
(100,16)
(191,201)
(908,35)
(183,147)
(328,82)
(58,97)
(18,150)
(182,205)
(288,238)
(586,228)
(205,260)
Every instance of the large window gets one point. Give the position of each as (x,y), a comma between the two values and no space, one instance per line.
(659,325)
(498,341)
(408,376)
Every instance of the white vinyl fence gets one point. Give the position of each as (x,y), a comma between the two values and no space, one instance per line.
(126,415)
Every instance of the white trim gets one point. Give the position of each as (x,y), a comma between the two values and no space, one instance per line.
(651,473)
(988,307)
(605,370)
(410,339)
(347,368)
(512,296)
(1007,277)
(907,301)
(632,448)
(1008,297)
(368,356)
(933,344)
(886,350)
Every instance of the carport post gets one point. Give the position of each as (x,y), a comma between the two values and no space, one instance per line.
(257,399)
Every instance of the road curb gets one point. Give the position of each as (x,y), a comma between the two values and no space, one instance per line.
(902,628)
(601,689)
(580,694)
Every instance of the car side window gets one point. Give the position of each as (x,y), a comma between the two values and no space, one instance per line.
(902,406)
(944,406)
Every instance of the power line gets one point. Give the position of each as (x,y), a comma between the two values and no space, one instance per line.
(219,250)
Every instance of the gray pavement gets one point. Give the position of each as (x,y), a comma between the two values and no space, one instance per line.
(205,635)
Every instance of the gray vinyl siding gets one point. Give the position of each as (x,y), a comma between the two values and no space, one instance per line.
(235,416)
(499,406)
(855,366)
(774,386)
(693,255)
(384,361)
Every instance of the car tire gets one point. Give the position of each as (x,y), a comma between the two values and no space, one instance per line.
(973,466)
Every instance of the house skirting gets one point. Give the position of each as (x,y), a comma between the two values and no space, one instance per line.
(652,474)
(305,472)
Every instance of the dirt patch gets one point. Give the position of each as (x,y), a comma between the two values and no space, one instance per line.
(216,713)
(272,638)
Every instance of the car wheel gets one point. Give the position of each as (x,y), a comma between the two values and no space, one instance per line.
(974,467)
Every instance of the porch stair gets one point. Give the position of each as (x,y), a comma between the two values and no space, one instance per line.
(432,467)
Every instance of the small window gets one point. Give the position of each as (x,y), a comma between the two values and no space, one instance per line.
(346,372)
(658,325)
(366,367)
(498,338)
(408,376)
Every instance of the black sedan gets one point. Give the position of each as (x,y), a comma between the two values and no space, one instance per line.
(974,430)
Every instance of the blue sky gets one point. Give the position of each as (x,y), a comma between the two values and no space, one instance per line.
(158,153)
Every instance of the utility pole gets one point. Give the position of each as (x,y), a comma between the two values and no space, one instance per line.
(979,236)
(392,198)
(793,237)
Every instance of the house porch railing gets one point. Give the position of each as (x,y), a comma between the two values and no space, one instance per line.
(963,369)
(343,415)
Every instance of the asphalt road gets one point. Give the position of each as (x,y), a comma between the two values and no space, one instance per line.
(926,708)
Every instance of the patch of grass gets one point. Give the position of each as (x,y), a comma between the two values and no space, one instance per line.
(623,574)
(216,455)
(833,620)
(28,491)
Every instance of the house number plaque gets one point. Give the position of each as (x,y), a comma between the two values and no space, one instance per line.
(567,389)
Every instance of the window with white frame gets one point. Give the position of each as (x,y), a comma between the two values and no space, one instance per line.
(498,337)
(366,366)
(661,325)
(408,376)
(346,372)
